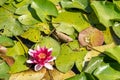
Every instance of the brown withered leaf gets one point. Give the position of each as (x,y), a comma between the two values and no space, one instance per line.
(91,36)
(57,75)
(97,50)
(9,60)
(29,75)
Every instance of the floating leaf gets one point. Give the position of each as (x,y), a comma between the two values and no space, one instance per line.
(44,9)
(63,37)
(77,21)
(8,23)
(106,72)
(82,76)
(65,60)
(32,34)
(29,75)
(26,17)
(5,41)
(117,2)
(44,27)
(4,69)
(103,11)
(21,3)
(93,64)
(113,53)
(9,60)
(65,28)
(116,29)
(2,2)
(19,60)
(50,43)
(17,49)
(98,50)
(79,4)
(68,57)
(108,36)
(80,54)
(57,75)
(91,36)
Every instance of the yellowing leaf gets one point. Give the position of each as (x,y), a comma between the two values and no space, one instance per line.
(32,35)
(17,49)
(57,75)
(96,51)
(19,64)
(72,19)
(29,75)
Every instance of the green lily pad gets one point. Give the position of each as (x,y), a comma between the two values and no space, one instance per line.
(82,76)
(70,55)
(103,11)
(32,34)
(76,21)
(117,2)
(65,60)
(44,9)
(108,36)
(19,64)
(79,4)
(113,53)
(26,17)
(65,28)
(93,64)
(116,29)
(17,49)
(4,69)
(8,23)
(106,72)
(50,43)
(5,41)
(2,2)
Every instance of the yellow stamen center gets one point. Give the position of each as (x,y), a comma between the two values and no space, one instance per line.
(42,56)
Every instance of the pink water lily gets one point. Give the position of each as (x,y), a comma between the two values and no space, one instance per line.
(41,57)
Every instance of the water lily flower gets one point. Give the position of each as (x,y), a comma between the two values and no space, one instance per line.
(41,57)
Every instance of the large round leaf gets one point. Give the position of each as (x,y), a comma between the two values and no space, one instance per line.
(77,20)
(44,8)
(5,41)
(50,43)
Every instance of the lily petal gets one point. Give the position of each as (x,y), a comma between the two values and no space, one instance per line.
(48,66)
(30,52)
(29,61)
(52,59)
(49,50)
(37,67)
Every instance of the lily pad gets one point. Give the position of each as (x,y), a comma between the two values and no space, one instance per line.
(77,20)
(91,36)
(44,9)
(79,4)
(49,42)
(103,11)
(17,49)
(106,72)
(26,17)
(19,60)
(8,22)
(4,69)
(113,53)
(32,34)
(5,41)
(69,56)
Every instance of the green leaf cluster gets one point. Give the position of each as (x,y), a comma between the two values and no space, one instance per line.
(56,24)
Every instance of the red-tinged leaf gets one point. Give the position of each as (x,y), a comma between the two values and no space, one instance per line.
(91,36)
